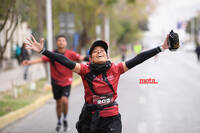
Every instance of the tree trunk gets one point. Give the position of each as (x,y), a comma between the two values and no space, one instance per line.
(196,31)
(13,19)
(39,4)
(1,61)
(83,40)
(103,27)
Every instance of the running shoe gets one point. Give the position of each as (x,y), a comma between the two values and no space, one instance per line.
(58,127)
(65,125)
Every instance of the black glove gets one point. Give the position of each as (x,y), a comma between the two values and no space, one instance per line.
(173,41)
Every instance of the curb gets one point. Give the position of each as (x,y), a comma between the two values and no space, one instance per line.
(13,116)
(20,113)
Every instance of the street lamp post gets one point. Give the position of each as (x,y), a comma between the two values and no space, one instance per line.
(49,25)
(49,31)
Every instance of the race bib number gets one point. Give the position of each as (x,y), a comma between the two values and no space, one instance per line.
(102,100)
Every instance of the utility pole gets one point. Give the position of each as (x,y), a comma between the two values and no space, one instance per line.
(107,29)
(49,25)
(49,31)
(98,32)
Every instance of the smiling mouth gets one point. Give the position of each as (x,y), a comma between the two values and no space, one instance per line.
(99,56)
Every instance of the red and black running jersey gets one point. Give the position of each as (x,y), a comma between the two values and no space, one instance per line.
(101,87)
(61,74)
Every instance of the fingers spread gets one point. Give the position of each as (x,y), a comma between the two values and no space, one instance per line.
(27,44)
(33,38)
(41,41)
(30,41)
(28,47)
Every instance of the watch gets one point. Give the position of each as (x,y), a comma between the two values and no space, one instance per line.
(161,48)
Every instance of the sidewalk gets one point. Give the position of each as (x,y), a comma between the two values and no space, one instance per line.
(13,77)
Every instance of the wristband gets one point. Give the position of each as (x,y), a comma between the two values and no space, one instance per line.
(162,49)
(42,51)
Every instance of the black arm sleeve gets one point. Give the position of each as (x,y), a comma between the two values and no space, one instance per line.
(142,57)
(60,58)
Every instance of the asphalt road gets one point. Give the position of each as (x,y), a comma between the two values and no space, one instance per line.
(171,106)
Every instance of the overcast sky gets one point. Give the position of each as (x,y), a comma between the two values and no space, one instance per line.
(169,12)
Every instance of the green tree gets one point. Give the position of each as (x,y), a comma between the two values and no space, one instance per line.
(34,12)
(86,17)
(8,24)
(192,28)
(89,13)
(129,20)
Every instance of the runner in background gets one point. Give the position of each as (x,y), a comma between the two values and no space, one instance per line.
(61,78)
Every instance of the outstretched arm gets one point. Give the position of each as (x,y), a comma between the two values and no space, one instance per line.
(144,56)
(38,47)
(30,62)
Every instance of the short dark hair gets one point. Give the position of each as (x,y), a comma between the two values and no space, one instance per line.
(59,36)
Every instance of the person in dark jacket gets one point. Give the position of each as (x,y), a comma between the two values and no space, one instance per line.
(25,56)
(197,50)
(100,113)
(18,53)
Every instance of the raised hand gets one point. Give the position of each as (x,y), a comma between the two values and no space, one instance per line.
(34,45)
(165,44)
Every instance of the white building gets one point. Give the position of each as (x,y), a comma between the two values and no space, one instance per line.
(22,31)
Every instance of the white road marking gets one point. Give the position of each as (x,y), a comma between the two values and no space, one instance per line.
(142,100)
(142,127)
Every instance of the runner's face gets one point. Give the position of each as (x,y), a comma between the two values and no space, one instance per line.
(61,43)
(99,55)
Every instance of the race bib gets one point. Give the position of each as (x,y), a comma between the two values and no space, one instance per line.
(102,100)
